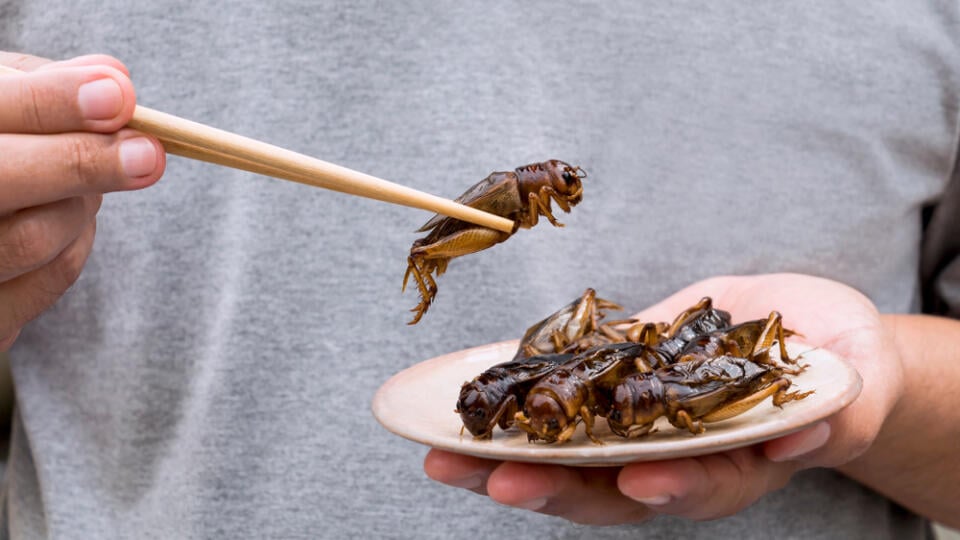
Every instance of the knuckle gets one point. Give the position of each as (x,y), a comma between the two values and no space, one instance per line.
(83,155)
(27,244)
(65,270)
(33,101)
(859,439)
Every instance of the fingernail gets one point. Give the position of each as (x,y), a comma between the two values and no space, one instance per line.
(469,482)
(656,500)
(814,438)
(138,157)
(533,504)
(100,100)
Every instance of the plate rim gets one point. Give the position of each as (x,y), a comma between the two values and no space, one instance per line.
(609,454)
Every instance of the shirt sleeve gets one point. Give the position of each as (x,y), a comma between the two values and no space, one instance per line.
(940,255)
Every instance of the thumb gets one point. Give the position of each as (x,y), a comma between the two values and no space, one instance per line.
(797,446)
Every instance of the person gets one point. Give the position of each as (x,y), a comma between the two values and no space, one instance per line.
(209,371)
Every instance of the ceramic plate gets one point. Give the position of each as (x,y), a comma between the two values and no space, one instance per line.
(418,404)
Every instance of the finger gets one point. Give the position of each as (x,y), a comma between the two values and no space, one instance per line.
(31,238)
(22,62)
(458,470)
(26,62)
(582,495)
(67,98)
(854,429)
(38,169)
(23,298)
(849,433)
(87,60)
(706,487)
(798,446)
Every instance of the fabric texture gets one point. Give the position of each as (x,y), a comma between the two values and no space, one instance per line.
(940,264)
(210,374)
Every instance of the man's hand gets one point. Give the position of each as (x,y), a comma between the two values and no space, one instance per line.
(62,146)
(826,313)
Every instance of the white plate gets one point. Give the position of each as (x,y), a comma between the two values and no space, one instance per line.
(418,404)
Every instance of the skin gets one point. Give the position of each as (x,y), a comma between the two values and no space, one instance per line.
(61,149)
(898,437)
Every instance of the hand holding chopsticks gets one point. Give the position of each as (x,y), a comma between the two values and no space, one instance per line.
(198,141)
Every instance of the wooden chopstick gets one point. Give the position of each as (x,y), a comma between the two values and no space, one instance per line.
(201,142)
(202,154)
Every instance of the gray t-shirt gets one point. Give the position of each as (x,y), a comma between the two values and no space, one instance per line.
(210,374)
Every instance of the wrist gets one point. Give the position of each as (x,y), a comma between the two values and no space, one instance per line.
(896,341)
